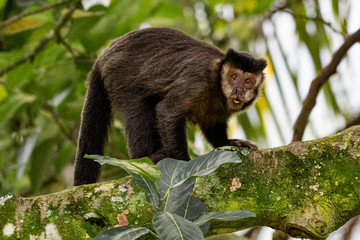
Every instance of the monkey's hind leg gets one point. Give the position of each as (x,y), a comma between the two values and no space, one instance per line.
(140,127)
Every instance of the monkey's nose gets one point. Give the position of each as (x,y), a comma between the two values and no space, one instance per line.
(239,91)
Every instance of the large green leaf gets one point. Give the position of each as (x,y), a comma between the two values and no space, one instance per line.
(122,233)
(204,165)
(142,166)
(224,216)
(192,209)
(150,188)
(143,171)
(169,226)
(171,200)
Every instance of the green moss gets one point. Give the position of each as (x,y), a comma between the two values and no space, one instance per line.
(8,207)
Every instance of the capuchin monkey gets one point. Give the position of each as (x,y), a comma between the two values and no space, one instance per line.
(159,79)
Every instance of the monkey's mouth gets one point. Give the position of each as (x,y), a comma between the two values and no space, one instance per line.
(236,100)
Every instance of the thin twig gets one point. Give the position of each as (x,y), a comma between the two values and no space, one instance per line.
(43,42)
(61,40)
(317,83)
(279,7)
(25,14)
(315,19)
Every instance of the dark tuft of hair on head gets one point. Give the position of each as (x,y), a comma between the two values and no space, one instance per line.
(245,61)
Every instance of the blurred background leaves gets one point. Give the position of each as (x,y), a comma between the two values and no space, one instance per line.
(41,99)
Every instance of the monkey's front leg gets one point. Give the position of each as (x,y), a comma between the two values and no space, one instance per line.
(171,128)
(217,136)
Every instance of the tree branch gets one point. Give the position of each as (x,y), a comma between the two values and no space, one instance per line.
(278,7)
(315,19)
(25,14)
(306,189)
(317,83)
(43,42)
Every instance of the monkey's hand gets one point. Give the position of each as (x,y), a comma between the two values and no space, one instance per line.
(157,156)
(242,143)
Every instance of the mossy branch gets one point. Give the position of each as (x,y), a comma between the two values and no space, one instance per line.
(307,189)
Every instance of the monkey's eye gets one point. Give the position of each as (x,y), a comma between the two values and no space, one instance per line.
(234,76)
(248,81)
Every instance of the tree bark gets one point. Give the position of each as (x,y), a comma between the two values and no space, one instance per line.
(306,189)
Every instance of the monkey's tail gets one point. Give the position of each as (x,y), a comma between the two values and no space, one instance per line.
(96,117)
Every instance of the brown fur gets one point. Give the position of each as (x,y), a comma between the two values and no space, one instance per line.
(159,79)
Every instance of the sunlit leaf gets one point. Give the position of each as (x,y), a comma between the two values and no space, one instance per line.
(22,25)
(81,14)
(3,92)
(252,7)
(142,166)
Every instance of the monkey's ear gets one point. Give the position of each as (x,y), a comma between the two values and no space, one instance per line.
(245,61)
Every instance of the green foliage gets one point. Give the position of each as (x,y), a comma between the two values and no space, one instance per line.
(171,226)
(143,170)
(180,216)
(142,166)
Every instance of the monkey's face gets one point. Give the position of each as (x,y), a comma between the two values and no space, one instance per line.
(239,87)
